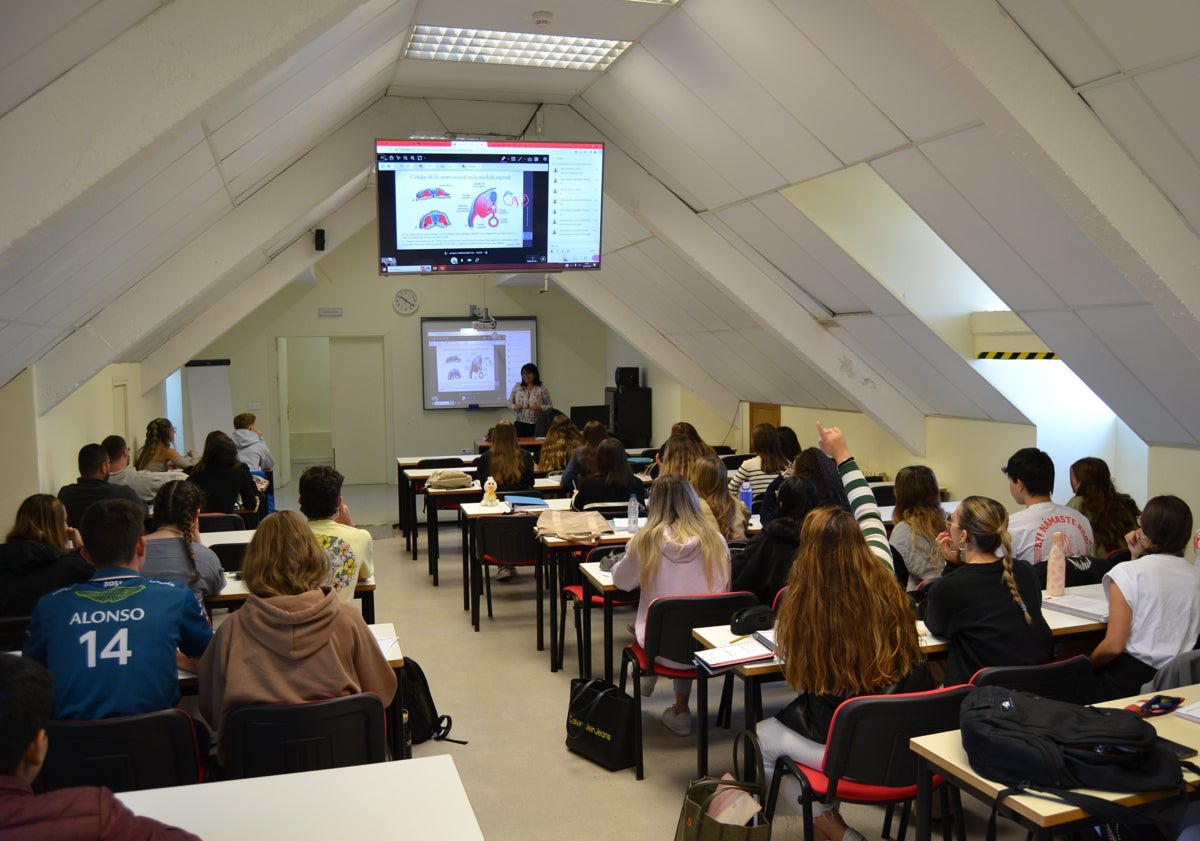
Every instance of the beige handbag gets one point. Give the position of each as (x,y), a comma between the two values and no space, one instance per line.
(576,526)
(449,479)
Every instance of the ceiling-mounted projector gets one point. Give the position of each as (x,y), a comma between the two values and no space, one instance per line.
(482,321)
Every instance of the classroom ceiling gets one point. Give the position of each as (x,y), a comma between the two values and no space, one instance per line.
(164,163)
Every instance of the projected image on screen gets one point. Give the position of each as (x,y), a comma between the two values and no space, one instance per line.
(468,368)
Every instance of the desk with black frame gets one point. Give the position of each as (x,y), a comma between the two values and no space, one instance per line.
(943,754)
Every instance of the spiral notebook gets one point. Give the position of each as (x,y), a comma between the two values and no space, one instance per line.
(744,651)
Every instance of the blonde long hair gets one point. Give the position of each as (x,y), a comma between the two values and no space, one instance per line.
(845,626)
(919,503)
(283,558)
(711,481)
(562,438)
(673,502)
(505,461)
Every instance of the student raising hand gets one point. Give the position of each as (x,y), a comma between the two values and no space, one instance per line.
(832,443)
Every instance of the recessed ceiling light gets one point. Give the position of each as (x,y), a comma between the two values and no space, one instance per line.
(522,48)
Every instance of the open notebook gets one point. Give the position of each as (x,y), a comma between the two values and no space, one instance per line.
(1086,607)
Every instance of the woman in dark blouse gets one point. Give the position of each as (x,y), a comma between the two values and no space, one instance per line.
(223,478)
(41,554)
(615,482)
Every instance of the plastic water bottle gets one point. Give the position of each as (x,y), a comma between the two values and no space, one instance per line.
(746,495)
(632,514)
(1056,566)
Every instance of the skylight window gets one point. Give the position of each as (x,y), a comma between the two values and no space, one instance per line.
(519,48)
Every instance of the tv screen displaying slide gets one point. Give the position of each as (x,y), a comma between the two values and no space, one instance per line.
(479,206)
(467,368)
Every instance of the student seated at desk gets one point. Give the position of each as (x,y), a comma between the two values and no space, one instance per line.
(614,483)
(293,640)
(173,549)
(1153,603)
(562,438)
(350,550)
(226,482)
(845,628)
(989,607)
(41,554)
(69,814)
(820,470)
(919,519)
(764,565)
(679,552)
(729,514)
(582,462)
(504,461)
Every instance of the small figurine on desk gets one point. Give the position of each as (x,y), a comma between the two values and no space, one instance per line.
(489,492)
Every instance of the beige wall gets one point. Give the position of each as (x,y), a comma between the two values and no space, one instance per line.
(571,343)
(18,426)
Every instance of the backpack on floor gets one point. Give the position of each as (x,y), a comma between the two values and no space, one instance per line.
(424,723)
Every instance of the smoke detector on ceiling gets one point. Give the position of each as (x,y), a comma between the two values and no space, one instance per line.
(543,19)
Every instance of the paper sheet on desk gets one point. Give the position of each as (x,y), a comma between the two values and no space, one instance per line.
(388,645)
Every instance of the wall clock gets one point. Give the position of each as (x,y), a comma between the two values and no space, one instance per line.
(406,301)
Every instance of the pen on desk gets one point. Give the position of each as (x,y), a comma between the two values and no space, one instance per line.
(742,637)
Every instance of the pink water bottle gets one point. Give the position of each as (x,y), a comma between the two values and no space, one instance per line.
(1056,566)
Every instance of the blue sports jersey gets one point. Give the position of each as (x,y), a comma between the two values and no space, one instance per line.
(111,643)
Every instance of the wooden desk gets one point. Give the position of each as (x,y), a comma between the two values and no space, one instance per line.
(406,497)
(413,477)
(602,584)
(235,592)
(472,493)
(213,538)
(534,445)
(428,792)
(943,753)
(468,513)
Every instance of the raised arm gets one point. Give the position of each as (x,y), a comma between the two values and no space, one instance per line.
(862,499)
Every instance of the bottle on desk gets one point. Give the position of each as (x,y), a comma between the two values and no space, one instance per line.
(746,495)
(633,514)
(1056,566)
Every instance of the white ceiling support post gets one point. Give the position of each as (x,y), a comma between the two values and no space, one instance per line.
(589,290)
(1045,125)
(181,288)
(254,291)
(662,213)
(136,93)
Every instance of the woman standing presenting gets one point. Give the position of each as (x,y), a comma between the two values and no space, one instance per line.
(529,397)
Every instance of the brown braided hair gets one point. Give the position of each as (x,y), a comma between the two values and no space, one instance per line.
(158,433)
(175,506)
(986,521)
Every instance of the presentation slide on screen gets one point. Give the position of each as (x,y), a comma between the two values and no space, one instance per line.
(465,368)
(467,364)
(472,209)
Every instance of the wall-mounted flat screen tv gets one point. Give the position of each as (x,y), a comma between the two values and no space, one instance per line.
(466,367)
(479,206)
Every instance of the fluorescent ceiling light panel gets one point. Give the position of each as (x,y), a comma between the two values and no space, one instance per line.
(523,48)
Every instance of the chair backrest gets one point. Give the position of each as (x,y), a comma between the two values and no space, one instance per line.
(507,539)
(670,620)
(899,567)
(778,600)
(608,509)
(221,522)
(599,553)
(868,738)
(265,739)
(1063,680)
(13,632)
(1181,670)
(151,750)
(230,555)
(734,460)
(438,463)
(723,449)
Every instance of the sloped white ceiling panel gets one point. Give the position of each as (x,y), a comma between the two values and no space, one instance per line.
(1138,34)
(761,351)
(417,77)
(1020,209)
(1061,35)
(634,278)
(314,68)
(698,58)
(688,115)
(709,304)
(761,235)
(881,64)
(41,41)
(21,342)
(962,227)
(622,97)
(709,352)
(799,383)
(1087,354)
(485,118)
(1159,150)
(301,129)
(799,76)
(1172,91)
(620,228)
(615,136)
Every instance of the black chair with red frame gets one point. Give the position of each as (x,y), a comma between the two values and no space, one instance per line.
(867,757)
(573,593)
(1062,680)
(506,541)
(669,624)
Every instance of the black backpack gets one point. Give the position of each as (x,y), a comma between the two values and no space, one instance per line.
(424,723)
(1028,742)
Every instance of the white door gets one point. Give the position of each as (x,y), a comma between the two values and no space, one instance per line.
(357,397)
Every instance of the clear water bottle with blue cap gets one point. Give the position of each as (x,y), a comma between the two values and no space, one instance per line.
(633,513)
(746,495)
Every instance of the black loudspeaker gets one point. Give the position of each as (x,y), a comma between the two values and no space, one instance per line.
(627,377)
(319,239)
